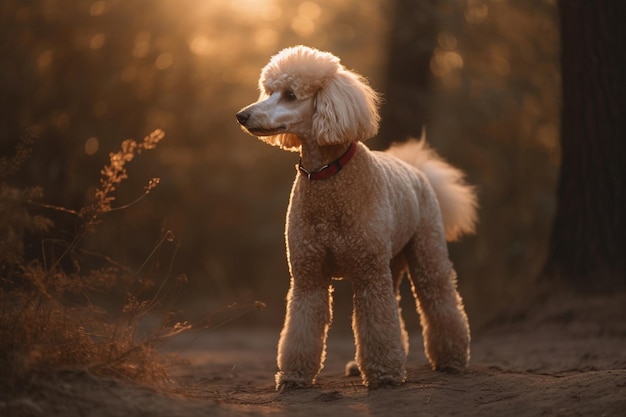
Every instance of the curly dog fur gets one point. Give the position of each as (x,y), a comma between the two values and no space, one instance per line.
(376,218)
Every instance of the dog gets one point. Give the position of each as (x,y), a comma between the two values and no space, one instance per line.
(370,217)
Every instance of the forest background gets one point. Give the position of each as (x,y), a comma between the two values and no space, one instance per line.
(81,77)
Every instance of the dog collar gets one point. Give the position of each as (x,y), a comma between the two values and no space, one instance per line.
(331,169)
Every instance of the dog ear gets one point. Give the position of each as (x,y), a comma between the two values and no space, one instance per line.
(346,110)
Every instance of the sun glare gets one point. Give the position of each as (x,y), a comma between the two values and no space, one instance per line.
(91,145)
(97,41)
(263,9)
(201,45)
(44,60)
(266,38)
(304,23)
(164,60)
(447,61)
(142,44)
(476,11)
(97,8)
(309,10)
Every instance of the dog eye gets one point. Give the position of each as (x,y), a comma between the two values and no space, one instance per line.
(289,96)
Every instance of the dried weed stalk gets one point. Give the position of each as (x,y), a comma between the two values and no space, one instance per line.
(46,319)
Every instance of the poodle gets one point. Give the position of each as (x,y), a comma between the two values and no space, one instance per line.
(370,217)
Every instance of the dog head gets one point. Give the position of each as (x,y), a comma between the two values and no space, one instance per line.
(307,94)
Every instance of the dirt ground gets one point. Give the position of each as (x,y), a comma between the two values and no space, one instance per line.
(566,356)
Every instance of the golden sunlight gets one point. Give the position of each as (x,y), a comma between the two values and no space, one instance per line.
(97,41)
(91,145)
(164,60)
(44,60)
(476,11)
(500,60)
(129,74)
(142,44)
(447,61)
(201,45)
(97,8)
(444,62)
(309,10)
(304,23)
(265,9)
(447,40)
(266,38)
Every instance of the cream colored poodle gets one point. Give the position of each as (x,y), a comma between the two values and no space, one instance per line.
(366,216)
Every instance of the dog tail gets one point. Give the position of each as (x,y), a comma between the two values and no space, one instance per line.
(457,200)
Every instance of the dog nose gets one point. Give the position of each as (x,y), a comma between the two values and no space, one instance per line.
(242,117)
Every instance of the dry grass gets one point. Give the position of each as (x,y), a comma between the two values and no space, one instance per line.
(47,319)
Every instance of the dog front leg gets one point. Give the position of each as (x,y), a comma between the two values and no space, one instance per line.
(380,350)
(302,345)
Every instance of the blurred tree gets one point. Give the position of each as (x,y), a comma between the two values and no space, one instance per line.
(588,245)
(407,80)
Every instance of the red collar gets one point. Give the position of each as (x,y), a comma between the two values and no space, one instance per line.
(331,169)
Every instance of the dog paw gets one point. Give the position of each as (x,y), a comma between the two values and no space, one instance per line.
(290,381)
(379,380)
(452,362)
(384,382)
(451,368)
(352,369)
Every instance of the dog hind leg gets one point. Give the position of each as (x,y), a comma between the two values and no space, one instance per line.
(398,270)
(445,327)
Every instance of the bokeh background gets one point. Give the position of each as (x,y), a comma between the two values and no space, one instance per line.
(85,75)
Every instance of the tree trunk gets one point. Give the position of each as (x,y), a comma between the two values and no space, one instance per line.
(588,244)
(407,83)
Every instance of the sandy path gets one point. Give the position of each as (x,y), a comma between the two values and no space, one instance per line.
(566,358)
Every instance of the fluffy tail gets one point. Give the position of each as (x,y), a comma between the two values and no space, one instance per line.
(457,200)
